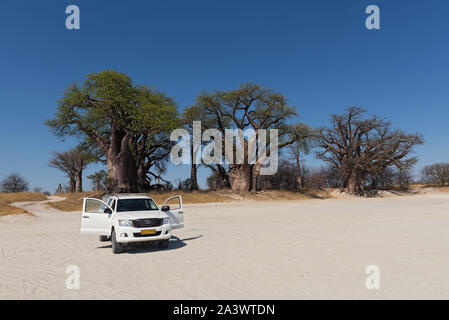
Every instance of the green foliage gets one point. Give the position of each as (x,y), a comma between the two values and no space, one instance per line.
(99,180)
(249,106)
(120,123)
(109,101)
(305,138)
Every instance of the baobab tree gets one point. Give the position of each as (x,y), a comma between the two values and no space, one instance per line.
(72,163)
(208,121)
(189,115)
(302,146)
(124,120)
(99,180)
(358,146)
(250,107)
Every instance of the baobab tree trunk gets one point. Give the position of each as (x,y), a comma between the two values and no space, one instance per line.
(354,184)
(240,177)
(122,164)
(193,169)
(223,177)
(254,175)
(255,171)
(79,182)
(72,182)
(124,173)
(142,181)
(351,185)
(299,180)
(79,177)
(193,177)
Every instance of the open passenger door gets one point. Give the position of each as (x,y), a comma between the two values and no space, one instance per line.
(96,217)
(174,211)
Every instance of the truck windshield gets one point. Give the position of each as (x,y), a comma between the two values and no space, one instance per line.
(136,205)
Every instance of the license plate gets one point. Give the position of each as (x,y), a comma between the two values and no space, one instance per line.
(146,232)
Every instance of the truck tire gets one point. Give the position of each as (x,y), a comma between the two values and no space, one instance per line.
(116,246)
(164,243)
(104,238)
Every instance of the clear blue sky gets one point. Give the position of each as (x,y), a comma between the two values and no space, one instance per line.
(318,53)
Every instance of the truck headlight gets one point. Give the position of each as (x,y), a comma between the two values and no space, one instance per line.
(125,223)
(166,221)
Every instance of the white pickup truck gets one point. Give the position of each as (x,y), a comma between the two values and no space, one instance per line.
(128,219)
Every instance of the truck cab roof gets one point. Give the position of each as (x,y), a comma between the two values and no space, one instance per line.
(125,196)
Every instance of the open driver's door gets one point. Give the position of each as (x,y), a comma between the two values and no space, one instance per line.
(173,208)
(96,218)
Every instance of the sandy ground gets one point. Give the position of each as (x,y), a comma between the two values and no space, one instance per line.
(315,249)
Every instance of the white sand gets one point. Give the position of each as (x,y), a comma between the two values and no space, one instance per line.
(316,249)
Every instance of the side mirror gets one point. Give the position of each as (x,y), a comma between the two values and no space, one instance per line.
(108,211)
(165,208)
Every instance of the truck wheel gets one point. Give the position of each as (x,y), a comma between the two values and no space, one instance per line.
(104,238)
(164,243)
(116,246)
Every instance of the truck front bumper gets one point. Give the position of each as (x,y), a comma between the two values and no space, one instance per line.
(130,234)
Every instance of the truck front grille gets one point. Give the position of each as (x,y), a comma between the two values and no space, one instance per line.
(138,235)
(145,223)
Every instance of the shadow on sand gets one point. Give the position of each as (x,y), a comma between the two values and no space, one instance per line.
(152,246)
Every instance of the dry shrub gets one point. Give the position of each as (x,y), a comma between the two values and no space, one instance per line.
(284,195)
(74,201)
(6,209)
(7,198)
(22,197)
(193,196)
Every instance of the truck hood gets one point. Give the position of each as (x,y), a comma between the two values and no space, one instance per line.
(131,215)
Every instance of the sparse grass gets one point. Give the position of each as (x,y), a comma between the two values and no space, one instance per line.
(74,201)
(81,195)
(285,195)
(193,197)
(227,195)
(7,198)
(436,187)
(22,197)
(417,186)
(6,209)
